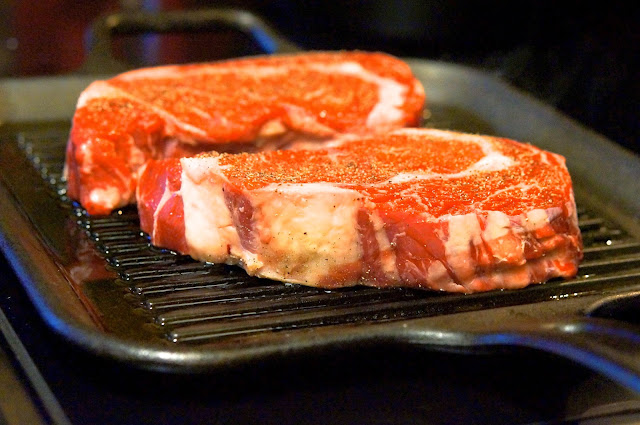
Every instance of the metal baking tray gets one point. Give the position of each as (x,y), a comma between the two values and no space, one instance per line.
(98,282)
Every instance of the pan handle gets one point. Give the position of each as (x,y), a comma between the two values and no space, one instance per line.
(100,58)
(603,336)
(607,346)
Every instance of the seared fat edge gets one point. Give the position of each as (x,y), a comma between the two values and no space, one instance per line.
(301,233)
(306,232)
(209,229)
(505,236)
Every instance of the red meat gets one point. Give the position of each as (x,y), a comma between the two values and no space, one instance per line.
(415,207)
(252,104)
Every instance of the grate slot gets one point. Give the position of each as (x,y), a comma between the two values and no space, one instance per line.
(203,280)
(128,214)
(143,259)
(96,227)
(123,248)
(109,247)
(611,250)
(200,303)
(186,270)
(267,304)
(219,294)
(603,236)
(610,265)
(114,234)
(288,320)
(590,223)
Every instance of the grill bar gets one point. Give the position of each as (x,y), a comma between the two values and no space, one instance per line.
(204,280)
(612,250)
(199,303)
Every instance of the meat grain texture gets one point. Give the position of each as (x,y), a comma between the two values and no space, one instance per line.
(414,208)
(253,104)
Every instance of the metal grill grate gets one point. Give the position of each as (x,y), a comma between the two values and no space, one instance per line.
(196,302)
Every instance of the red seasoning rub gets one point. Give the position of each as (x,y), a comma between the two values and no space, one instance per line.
(415,208)
(253,104)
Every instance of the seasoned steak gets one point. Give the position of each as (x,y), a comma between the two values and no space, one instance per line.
(251,104)
(415,208)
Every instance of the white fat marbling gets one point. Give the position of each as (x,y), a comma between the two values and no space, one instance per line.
(209,229)
(492,160)
(108,197)
(306,231)
(464,231)
(497,225)
(391,94)
(536,219)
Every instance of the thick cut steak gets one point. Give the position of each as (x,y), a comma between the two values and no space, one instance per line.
(242,105)
(415,207)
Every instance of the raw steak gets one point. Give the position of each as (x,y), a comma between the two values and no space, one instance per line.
(242,105)
(416,208)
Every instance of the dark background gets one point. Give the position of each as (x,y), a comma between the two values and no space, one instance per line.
(581,57)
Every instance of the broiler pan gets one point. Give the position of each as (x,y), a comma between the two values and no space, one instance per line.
(98,283)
